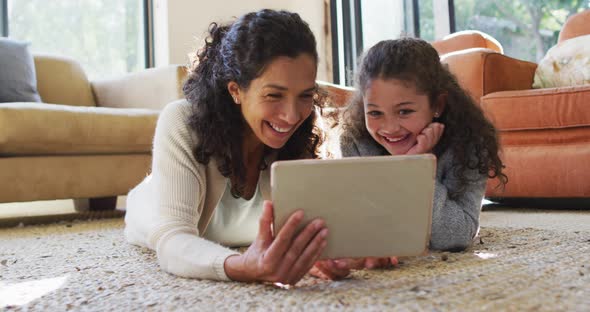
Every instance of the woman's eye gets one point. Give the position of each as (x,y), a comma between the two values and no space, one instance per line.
(274,95)
(307,95)
(405,112)
(374,113)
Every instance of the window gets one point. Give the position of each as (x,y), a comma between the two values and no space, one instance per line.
(383,19)
(359,24)
(526,29)
(426,18)
(108,37)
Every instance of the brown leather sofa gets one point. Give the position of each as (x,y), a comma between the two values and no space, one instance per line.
(88,140)
(545,133)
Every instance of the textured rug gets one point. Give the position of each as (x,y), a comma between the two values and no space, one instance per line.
(86,265)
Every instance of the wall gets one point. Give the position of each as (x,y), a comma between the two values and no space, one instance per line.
(180,25)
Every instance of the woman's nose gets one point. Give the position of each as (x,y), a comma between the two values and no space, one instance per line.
(289,113)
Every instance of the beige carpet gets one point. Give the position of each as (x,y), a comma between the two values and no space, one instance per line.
(88,266)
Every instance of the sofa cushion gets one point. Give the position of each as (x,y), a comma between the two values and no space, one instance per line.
(538,109)
(49,129)
(566,64)
(61,80)
(18,82)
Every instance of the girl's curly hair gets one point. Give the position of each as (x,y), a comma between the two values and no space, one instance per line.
(240,52)
(467,131)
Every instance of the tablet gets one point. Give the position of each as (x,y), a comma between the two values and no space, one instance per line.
(373,206)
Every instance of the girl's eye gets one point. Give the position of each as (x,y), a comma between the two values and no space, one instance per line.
(274,95)
(307,95)
(374,113)
(405,112)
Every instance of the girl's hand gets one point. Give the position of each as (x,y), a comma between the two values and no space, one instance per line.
(427,139)
(285,258)
(340,268)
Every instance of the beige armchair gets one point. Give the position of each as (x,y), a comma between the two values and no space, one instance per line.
(88,140)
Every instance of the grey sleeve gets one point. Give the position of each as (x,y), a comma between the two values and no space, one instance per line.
(455,222)
(348,146)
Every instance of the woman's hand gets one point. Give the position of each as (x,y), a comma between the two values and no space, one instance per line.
(285,258)
(427,139)
(340,268)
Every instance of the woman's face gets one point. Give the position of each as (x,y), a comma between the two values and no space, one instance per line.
(395,113)
(278,101)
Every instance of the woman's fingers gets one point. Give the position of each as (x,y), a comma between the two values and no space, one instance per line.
(309,256)
(282,240)
(301,255)
(265,224)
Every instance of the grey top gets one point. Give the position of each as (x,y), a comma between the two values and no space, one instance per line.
(455,222)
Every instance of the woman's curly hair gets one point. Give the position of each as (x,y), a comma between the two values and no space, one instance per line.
(468,134)
(240,52)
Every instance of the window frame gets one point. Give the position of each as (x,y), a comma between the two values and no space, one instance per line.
(352,34)
(4,18)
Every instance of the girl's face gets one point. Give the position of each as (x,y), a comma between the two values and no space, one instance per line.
(278,101)
(395,113)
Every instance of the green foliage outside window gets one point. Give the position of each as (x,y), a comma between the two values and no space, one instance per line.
(105,36)
(525,28)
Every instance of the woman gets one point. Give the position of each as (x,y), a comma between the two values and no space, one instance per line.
(250,100)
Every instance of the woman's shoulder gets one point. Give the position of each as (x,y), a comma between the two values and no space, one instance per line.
(174,125)
(177,110)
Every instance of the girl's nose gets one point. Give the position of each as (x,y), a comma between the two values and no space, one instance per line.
(390,125)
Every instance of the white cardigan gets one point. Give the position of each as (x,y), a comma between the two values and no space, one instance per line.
(170,209)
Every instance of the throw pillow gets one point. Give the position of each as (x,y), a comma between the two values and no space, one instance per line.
(565,64)
(18,82)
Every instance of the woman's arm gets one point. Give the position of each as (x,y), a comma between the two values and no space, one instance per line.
(180,184)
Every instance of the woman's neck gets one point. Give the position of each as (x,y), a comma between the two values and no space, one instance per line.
(252,150)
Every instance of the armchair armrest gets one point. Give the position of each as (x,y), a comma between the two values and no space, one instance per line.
(338,96)
(61,80)
(482,71)
(151,88)
(466,39)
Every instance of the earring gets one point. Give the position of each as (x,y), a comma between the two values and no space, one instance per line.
(436,114)
(236,100)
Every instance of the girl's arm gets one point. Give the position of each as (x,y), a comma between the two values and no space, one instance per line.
(455,221)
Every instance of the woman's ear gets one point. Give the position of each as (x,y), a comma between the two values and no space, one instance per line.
(439,106)
(234,90)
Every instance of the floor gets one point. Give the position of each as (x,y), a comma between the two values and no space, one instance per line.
(43,208)
(550,218)
(525,260)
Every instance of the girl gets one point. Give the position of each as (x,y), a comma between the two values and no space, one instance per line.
(250,100)
(406,103)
